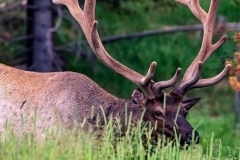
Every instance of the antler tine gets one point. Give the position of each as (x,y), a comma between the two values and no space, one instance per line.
(195,8)
(211,81)
(149,76)
(207,48)
(186,84)
(87,21)
(159,86)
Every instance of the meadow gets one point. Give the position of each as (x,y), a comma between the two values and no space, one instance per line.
(106,144)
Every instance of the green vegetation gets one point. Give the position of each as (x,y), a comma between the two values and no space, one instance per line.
(106,144)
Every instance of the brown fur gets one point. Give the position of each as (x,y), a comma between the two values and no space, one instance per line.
(49,93)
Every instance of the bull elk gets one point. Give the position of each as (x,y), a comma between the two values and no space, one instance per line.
(23,93)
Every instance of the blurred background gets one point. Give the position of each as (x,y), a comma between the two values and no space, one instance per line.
(40,36)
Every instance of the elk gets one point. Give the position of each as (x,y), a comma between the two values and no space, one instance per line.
(62,94)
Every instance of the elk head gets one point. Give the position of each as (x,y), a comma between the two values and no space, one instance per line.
(170,110)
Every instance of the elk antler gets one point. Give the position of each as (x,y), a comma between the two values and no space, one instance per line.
(193,73)
(86,19)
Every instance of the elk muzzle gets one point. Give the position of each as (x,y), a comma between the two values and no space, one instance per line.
(186,132)
(189,138)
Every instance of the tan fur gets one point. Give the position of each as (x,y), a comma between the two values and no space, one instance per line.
(47,95)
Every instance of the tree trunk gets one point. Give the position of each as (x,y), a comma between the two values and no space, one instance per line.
(29,32)
(40,20)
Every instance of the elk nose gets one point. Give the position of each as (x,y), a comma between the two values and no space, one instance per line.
(196,137)
(190,138)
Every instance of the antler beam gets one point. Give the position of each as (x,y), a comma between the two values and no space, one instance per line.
(87,21)
(211,81)
(207,48)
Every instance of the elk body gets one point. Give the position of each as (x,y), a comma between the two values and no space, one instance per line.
(50,96)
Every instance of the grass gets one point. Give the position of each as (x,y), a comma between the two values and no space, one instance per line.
(109,146)
(87,147)
(221,126)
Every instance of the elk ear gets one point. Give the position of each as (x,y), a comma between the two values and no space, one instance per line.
(188,103)
(139,98)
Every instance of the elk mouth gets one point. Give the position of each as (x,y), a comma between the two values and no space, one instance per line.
(189,139)
(185,142)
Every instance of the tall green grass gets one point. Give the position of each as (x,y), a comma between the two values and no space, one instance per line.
(106,144)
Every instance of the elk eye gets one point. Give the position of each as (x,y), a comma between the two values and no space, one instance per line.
(158,114)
